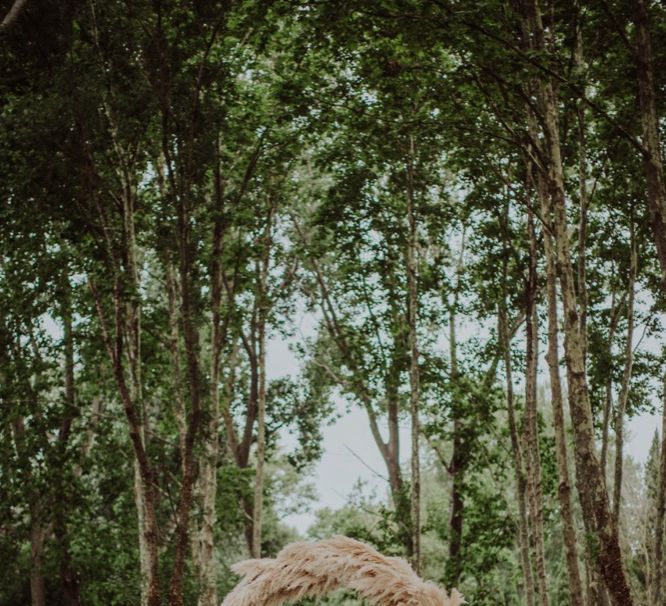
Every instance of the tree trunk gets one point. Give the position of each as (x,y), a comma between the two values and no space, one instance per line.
(652,159)
(244,445)
(459,454)
(519,472)
(456,469)
(177,382)
(579,62)
(626,382)
(594,589)
(533,457)
(390,450)
(37,535)
(608,400)
(12,16)
(144,495)
(258,503)
(263,267)
(68,578)
(457,518)
(206,553)
(552,357)
(589,475)
(174,352)
(188,311)
(414,389)
(144,552)
(127,330)
(657,598)
(590,478)
(391,454)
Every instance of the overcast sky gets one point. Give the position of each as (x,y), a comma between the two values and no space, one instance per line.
(350,453)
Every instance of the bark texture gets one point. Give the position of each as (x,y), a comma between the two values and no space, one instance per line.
(68,578)
(652,158)
(657,597)
(262,310)
(552,357)
(589,475)
(123,347)
(459,454)
(519,468)
(456,468)
(626,382)
(12,15)
(414,389)
(531,431)
(608,400)
(37,536)
(208,483)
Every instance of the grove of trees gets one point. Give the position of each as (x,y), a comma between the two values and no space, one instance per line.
(465,200)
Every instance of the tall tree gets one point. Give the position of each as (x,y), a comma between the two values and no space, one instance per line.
(651,152)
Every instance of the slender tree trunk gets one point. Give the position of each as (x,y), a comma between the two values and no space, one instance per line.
(626,382)
(533,457)
(459,454)
(240,443)
(608,400)
(589,475)
(457,518)
(206,555)
(552,357)
(582,183)
(188,313)
(456,469)
(37,535)
(174,352)
(177,382)
(414,389)
(519,472)
(258,503)
(174,343)
(144,496)
(652,159)
(390,450)
(590,478)
(244,444)
(144,553)
(12,16)
(263,267)
(391,454)
(68,578)
(144,500)
(36,522)
(594,589)
(657,598)
(126,324)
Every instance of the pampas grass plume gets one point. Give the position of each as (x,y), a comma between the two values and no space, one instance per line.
(313,569)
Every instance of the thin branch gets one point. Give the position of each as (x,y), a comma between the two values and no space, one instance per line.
(12,15)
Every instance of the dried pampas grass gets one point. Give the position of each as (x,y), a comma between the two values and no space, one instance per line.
(303,570)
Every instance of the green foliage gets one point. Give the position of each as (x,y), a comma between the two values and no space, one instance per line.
(146,143)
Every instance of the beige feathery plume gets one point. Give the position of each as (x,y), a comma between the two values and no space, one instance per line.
(303,570)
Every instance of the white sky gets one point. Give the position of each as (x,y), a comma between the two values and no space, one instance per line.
(350,453)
